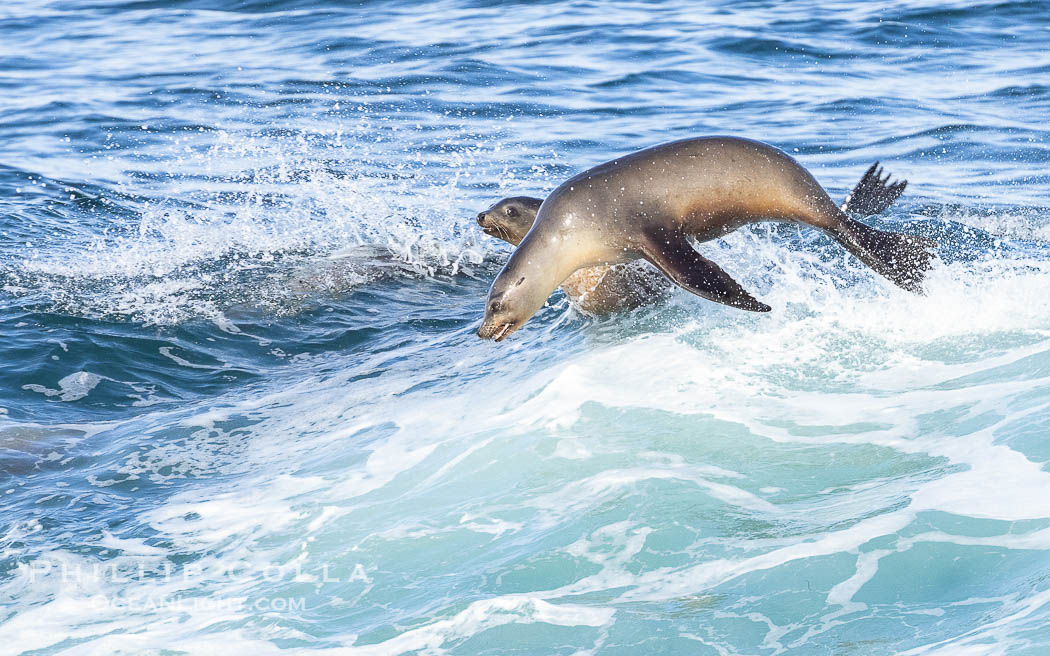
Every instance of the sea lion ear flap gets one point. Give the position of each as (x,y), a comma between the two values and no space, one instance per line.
(671,253)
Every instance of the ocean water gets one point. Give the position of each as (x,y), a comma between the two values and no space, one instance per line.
(243,409)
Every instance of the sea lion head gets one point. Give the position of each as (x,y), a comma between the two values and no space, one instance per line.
(541,262)
(510,304)
(510,219)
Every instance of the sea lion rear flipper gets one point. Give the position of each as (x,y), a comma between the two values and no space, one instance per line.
(902,258)
(873,195)
(690,270)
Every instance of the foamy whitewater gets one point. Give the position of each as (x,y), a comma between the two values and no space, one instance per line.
(243,408)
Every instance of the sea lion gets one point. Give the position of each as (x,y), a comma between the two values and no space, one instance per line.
(649,203)
(605,288)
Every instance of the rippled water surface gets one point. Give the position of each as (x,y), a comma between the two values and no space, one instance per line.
(243,409)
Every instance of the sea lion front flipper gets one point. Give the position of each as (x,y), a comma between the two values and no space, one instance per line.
(672,254)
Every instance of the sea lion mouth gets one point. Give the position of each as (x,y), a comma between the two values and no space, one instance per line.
(492,227)
(497,332)
(495,230)
(502,333)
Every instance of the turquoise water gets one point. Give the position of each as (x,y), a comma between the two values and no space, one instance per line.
(243,409)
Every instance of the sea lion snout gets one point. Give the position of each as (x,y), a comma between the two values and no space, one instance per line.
(489,225)
(495,330)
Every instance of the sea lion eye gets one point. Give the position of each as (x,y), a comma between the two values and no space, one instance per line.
(512,211)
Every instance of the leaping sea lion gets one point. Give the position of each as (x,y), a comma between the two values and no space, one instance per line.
(649,203)
(605,288)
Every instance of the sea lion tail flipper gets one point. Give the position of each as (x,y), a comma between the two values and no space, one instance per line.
(873,194)
(691,271)
(903,259)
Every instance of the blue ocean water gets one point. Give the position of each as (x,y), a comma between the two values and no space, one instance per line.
(243,409)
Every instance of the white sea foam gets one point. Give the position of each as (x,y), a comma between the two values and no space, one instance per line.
(73,387)
(268,235)
(484,615)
